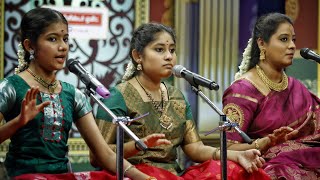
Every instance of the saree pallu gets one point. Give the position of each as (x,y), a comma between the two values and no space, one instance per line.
(259,115)
(209,170)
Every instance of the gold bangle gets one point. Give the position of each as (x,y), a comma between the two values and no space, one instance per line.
(151,178)
(214,154)
(256,144)
(128,168)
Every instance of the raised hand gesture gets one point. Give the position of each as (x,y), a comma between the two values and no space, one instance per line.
(29,109)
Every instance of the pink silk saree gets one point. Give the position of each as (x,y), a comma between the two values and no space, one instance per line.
(259,115)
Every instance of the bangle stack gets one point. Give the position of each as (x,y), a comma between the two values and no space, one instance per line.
(128,168)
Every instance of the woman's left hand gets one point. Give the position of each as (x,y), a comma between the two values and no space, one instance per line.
(250,160)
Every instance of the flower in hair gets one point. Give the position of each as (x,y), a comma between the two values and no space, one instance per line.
(22,64)
(130,70)
(244,66)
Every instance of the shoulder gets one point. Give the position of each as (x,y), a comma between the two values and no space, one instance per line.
(295,84)
(67,86)
(116,94)
(172,90)
(249,83)
(8,84)
(242,85)
(121,86)
(295,81)
(14,79)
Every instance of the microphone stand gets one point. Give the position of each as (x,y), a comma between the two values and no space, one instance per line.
(121,121)
(224,125)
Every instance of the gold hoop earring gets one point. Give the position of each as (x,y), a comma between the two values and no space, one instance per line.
(139,67)
(262,54)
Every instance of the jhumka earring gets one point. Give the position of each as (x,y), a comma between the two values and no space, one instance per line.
(262,54)
(139,67)
(31,57)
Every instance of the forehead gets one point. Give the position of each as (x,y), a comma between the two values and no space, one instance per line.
(162,38)
(285,28)
(56,28)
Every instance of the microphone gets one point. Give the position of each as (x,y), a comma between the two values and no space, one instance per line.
(88,79)
(194,79)
(309,54)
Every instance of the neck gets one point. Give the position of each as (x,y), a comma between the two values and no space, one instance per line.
(48,76)
(273,74)
(149,84)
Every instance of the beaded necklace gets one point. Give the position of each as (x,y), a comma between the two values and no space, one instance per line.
(50,86)
(272,85)
(164,122)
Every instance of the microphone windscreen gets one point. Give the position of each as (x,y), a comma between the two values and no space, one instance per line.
(177,70)
(304,53)
(70,65)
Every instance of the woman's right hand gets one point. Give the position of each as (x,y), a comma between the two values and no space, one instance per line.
(281,135)
(156,139)
(29,109)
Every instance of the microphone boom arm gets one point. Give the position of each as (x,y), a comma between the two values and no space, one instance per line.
(224,124)
(120,121)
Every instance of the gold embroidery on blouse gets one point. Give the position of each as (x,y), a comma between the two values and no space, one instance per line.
(244,97)
(234,113)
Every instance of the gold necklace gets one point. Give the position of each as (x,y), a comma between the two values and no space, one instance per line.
(164,122)
(50,86)
(272,85)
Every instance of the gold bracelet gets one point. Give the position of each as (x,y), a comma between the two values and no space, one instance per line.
(214,154)
(151,178)
(128,168)
(256,144)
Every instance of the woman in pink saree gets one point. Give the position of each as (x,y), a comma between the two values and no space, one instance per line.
(276,110)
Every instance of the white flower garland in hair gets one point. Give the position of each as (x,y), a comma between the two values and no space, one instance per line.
(244,66)
(22,64)
(129,72)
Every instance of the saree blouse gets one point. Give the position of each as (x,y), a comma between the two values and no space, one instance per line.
(41,145)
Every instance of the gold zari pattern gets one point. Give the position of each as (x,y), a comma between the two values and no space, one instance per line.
(234,113)
(272,85)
